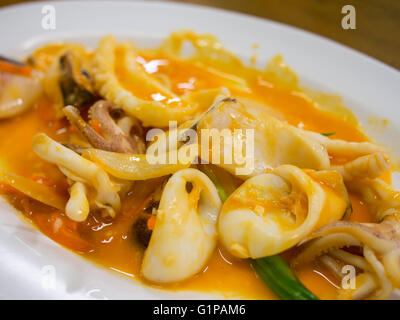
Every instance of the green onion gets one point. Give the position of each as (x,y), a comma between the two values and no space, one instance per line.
(273,270)
(327,134)
(210,173)
(276,273)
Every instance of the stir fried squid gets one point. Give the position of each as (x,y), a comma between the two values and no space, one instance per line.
(378,264)
(274,211)
(277,143)
(183,167)
(185,232)
(67,80)
(115,139)
(156,111)
(20,87)
(81,171)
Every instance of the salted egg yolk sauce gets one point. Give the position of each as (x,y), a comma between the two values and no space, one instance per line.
(110,242)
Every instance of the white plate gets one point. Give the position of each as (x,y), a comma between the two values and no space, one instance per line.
(27,258)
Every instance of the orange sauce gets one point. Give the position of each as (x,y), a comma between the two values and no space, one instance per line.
(300,112)
(111,240)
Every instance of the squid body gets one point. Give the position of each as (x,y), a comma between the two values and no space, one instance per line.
(185,232)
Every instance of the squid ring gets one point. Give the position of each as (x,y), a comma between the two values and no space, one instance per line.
(185,234)
(272,212)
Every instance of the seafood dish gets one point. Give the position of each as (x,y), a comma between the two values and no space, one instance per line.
(187,169)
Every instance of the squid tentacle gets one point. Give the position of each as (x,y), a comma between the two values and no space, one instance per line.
(114,139)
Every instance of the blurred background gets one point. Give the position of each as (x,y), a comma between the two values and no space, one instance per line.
(377,30)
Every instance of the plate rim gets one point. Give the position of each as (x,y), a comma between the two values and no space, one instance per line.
(222,11)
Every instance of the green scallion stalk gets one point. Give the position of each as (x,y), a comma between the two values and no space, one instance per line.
(276,273)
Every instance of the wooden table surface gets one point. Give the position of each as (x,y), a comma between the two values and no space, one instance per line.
(377,30)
